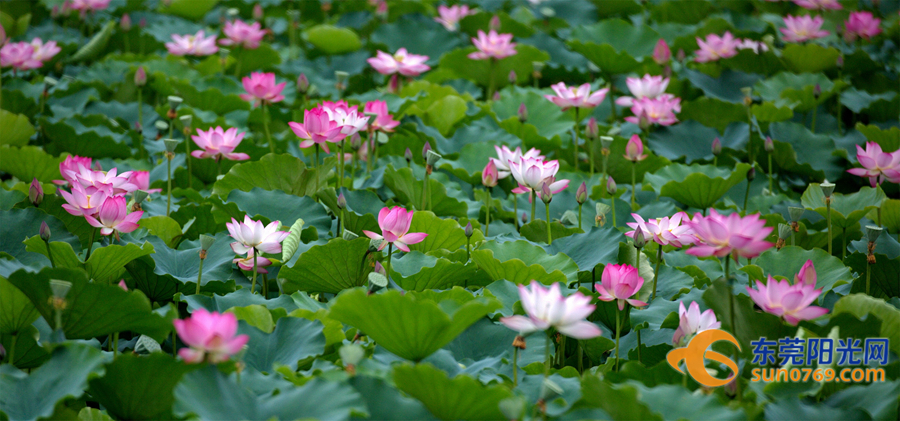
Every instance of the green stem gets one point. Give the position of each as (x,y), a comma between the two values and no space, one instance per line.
(843,244)
(828,218)
(199,275)
(813,124)
(266,128)
(746,196)
(487,215)
(218,166)
(561,352)
(468,247)
(491,83)
(115,344)
(579,215)
(90,245)
(516,210)
(575,142)
(633,183)
(253,285)
(187,157)
(140,103)
(317,167)
(549,234)
(868,278)
(533,202)
(387,270)
(659,254)
(771,189)
(605,162)
(639,345)
(341,163)
(50,254)
(618,332)
(515,366)
(612,102)
(341,223)
(580,359)
(174,344)
(792,236)
(613,211)
(733,318)
(425,189)
(265,286)
(169,187)
(547,360)
(715,161)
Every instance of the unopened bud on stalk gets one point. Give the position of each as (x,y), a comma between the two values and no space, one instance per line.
(592,131)
(140,76)
(302,83)
(840,61)
(523,113)
(494,24)
(36,192)
(125,22)
(716,146)
(661,53)
(546,194)
(680,55)
(408,155)
(341,201)
(468,230)
(611,186)
(639,240)
(512,77)
(44,231)
(817,91)
(496,96)
(524,217)
(751,174)
(257,12)
(581,193)
(769,144)
(425,150)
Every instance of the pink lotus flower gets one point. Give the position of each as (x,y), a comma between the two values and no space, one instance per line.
(317,129)
(505,156)
(715,48)
(749,44)
(661,53)
(141,179)
(531,173)
(634,149)
(261,87)
(217,144)
(803,28)
(241,34)
(80,203)
(645,87)
(720,235)
(581,97)
(878,166)
(790,302)
(546,308)
(88,5)
(493,46)
(210,336)
(819,4)
(192,45)
(691,322)
(401,62)
(489,176)
(665,230)
(807,274)
(108,181)
(346,116)
(19,56)
(394,223)
(71,165)
(113,217)
(862,25)
(383,120)
(123,285)
(44,51)
(655,110)
(450,16)
(246,263)
(620,282)
(251,235)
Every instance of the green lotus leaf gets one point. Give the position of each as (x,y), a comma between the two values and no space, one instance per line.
(809,57)
(274,172)
(888,139)
(16,129)
(190,9)
(621,402)
(521,262)
(860,305)
(16,310)
(846,209)
(29,162)
(713,112)
(292,340)
(698,186)
(139,387)
(107,264)
(331,267)
(419,272)
(409,192)
(536,231)
(332,40)
(459,398)
(787,262)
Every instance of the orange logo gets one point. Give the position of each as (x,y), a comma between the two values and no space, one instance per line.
(695,353)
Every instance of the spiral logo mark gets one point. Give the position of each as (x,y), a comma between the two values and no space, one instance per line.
(695,354)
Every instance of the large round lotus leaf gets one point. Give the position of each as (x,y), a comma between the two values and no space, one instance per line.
(521,262)
(846,209)
(410,327)
(479,71)
(787,262)
(459,398)
(139,388)
(698,186)
(331,267)
(860,305)
(333,40)
(809,58)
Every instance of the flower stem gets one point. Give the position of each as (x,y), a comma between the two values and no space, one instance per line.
(612,101)
(733,318)
(218,167)
(868,277)
(618,332)
(746,196)
(575,142)
(715,161)
(516,211)
(533,202)
(491,83)
(115,344)
(547,360)
(487,215)
(169,186)
(813,124)
(199,275)
(90,245)
(659,254)
(317,168)
(187,157)
(141,152)
(265,286)
(828,218)
(341,163)
(387,270)
(425,190)
(579,215)
(771,180)
(50,254)
(633,183)
(515,366)
(561,352)
(612,201)
(549,234)
(253,285)
(265,108)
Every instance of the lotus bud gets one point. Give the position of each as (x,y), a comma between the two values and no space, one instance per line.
(523,113)
(581,193)
(349,235)
(592,131)
(680,55)
(44,231)
(569,218)
(513,408)
(524,217)
(394,85)
(257,11)
(140,76)
(751,174)
(352,354)
(512,77)
(769,144)
(54,12)
(643,121)
(171,144)
(817,91)
(639,240)
(302,83)
(432,157)
(490,175)
(494,24)
(716,146)
(36,192)
(174,102)
(408,156)
(381,10)
(425,150)
(468,230)
(611,186)
(661,53)
(634,149)
(123,285)
(341,201)
(138,128)
(496,96)
(142,23)
(125,22)
(840,61)
(341,78)
(827,188)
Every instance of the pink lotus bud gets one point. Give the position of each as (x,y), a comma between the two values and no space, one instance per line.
(619,283)
(523,113)
(123,285)
(302,83)
(512,77)
(716,146)
(661,53)
(379,268)
(807,274)
(142,23)
(494,25)
(408,155)
(840,61)
(817,91)
(341,201)
(592,131)
(257,12)
(611,186)
(425,150)
(44,231)
(125,22)
(634,150)
(36,192)
(769,144)
(138,128)
(581,193)
(524,218)
(490,176)
(54,12)
(140,77)
(381,10)
(468,230)
(644,121)
(394,223)
(497,96)
(679,55)
(394,84)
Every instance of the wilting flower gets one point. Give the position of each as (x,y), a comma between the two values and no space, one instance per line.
(716,47)
(620,282)
(317,129)
(346,116)
(239,33)
(665,230)
(531,173)
(634,149)
(383,120)
(210,336)
(567,97)
(719,235)
(251,234)
(217,144)
(489,176)
(19,56)
(790,302)
(645,87)
(655,110)
(505,156)
(803,28)
(819,4)
(394,223)
(862,25)
(113,217)
(44,51)
(450,16)
(261,87)
(192,45)
(80,203)
(691,322)
(807,274)
(246,263)
(401,62)
(878,166)
(546,308)
(493,46)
